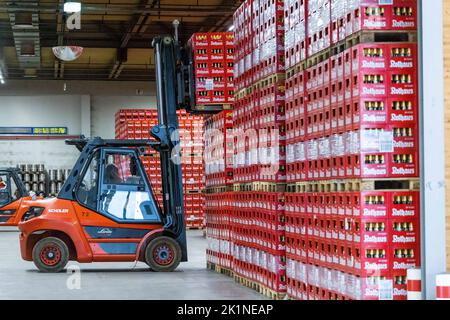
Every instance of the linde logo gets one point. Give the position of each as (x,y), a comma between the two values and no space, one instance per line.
(105,231)
(374,24)
(401,64)
(374,213)
(374,172)
(403,265)
(58,210)
(402,213)
(403,24)
(400,292)
(373,64)
(374,239)
(399,144)
(374,118)
(375,266)
(401,118)
(403,239)
(403,171)
(374,91)
(401,91)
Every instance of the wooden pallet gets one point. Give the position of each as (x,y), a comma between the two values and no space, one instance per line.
(354,185)
(223,106)
(260,186)
(273,295)
(194,191)
(219,269)
(317,58)
(219,189)
(298,187)
(373,36)
(274,79)
(245,92)
(292,71)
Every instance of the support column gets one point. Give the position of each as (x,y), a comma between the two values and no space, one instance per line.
(432,135)
(86,115)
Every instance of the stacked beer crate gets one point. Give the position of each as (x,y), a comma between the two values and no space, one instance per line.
(137,123)
(352,206)
(218,160)
(257,220)
(213,54)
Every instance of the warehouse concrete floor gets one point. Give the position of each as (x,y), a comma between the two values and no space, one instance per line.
(21,280)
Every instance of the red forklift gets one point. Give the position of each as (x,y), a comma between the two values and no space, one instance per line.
(106,210)
(12,194)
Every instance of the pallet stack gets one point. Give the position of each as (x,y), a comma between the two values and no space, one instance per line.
(257,221)
(218,157)
(137,123)
(352,206)
(213,54)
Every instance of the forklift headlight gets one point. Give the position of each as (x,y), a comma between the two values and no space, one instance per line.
(33,212)
(7,212)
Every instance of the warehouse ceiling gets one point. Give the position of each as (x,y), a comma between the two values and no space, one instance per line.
(116,35)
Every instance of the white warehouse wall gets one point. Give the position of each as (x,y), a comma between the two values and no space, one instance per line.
(45,103)
(49,110)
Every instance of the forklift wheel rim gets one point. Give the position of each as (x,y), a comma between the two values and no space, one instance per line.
(163,254)
(50,255)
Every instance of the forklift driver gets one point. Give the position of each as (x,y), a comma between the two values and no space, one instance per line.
(112,174)
(4,196)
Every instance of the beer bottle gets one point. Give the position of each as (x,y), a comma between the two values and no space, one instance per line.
(408,52)
(410,159)
(396,200)
(404,11)
(404,226)
(376,254)
(410,200)
(402,78)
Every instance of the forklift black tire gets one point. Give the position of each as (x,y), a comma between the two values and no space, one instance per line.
(163,254)
(50,255)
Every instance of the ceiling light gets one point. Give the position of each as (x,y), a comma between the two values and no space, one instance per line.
(72,7)
(2,81)
(231,28)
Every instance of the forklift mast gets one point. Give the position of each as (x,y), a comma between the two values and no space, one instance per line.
(168,69)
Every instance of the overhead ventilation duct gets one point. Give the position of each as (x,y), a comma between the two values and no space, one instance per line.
(25,27)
